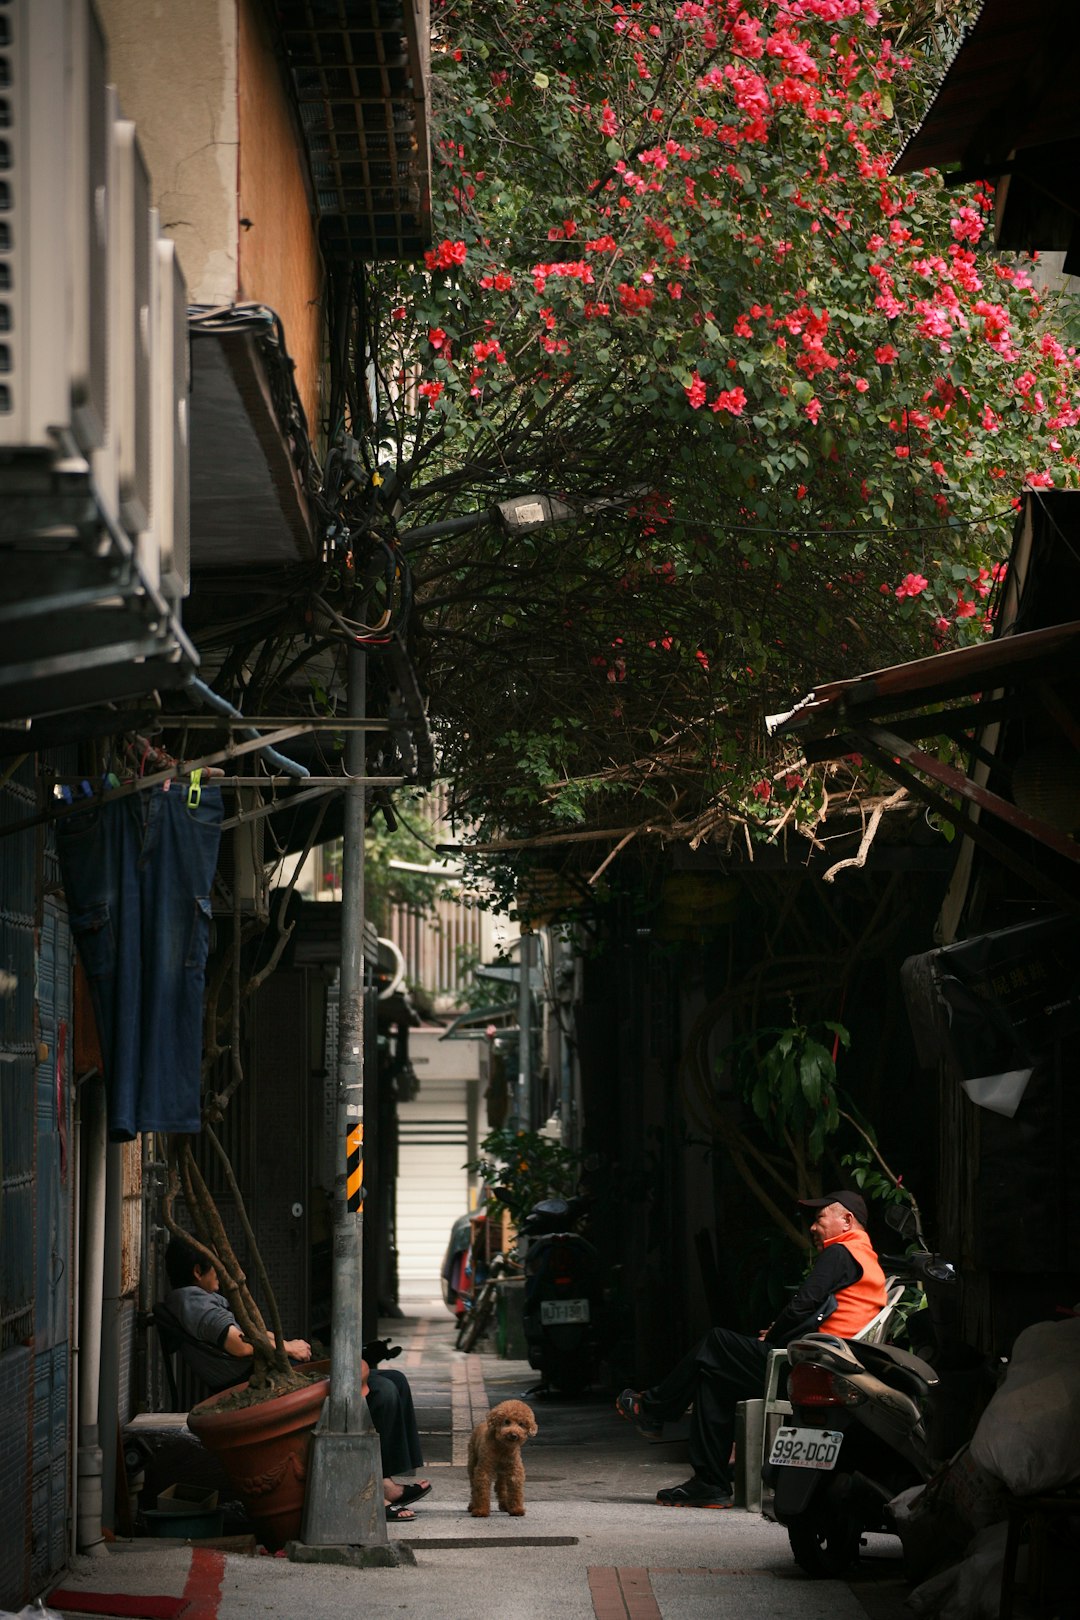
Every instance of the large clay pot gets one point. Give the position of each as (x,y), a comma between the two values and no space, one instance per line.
(264,1451)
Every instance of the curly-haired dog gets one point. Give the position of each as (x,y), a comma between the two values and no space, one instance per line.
(495,1456)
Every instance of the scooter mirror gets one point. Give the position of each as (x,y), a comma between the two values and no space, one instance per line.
(901,1218)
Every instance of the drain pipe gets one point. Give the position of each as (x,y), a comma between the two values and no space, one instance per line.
(290,767)
(111,1307)
(89,1536)
(76,1162)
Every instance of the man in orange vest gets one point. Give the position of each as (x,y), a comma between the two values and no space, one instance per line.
(844,1290)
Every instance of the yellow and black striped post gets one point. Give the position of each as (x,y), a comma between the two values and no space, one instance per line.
(354,1169)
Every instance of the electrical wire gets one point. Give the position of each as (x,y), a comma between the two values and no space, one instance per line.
(856,534)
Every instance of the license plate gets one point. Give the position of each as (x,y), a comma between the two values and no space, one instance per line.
(806,1448)
(554,1311)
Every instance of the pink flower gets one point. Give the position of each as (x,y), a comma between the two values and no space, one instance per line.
(730,399)
(436,337)
(762,790)
(813,410)
(886,354)
(695,391)
(911,585)
(430,391)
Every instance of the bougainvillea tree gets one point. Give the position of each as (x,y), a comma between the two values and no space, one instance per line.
(790,398)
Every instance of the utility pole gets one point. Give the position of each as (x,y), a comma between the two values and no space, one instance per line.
(344,1500)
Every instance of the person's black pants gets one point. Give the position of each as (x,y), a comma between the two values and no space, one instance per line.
(721,1370)
(390,1403)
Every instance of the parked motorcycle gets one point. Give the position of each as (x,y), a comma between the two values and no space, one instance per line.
(565,1310)
(456,1284)
(868,1420)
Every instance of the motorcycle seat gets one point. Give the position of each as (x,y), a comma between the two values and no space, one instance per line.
(897,1368)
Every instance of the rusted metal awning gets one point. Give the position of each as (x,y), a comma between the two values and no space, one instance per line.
(885,716)
(933,680)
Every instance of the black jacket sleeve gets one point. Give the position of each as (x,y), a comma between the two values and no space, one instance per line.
(835,1268)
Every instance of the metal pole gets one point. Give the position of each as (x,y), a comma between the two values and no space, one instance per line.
(524,1087)
(344,1499)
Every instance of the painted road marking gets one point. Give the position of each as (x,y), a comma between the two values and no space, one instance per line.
(205,1580)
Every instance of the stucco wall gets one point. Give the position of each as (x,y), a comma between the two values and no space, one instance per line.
(206,92)
(279,258)
(174,63)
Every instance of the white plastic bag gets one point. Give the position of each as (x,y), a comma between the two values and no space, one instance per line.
(970,1590)
(1029,1435)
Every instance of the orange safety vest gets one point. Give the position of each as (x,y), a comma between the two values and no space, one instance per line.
(860,1301)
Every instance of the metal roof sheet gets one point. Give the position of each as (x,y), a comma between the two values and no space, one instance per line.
(1011,85)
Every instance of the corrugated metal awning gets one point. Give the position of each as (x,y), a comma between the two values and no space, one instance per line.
(1011,85)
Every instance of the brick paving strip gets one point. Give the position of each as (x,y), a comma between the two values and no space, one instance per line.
(627,1594)
(417,1344)
(622,1594)
(469,1403)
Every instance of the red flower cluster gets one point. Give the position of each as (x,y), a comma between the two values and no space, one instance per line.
(445,256)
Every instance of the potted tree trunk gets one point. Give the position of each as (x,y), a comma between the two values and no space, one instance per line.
(260,1429)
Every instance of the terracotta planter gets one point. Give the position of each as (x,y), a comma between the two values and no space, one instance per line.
(264,1451)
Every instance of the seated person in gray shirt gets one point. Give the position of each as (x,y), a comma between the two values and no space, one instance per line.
(215,1349)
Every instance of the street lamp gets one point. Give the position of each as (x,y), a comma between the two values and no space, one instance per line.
(515,516)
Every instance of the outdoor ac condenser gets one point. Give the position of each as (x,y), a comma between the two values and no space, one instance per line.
(132,269)
(53,231)
(170,514)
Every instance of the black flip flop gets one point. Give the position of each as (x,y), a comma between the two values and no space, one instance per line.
(397,1514)
(413,1492)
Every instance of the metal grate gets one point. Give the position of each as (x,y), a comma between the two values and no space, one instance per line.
(359,71)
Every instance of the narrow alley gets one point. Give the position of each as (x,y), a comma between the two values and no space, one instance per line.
(592,1545)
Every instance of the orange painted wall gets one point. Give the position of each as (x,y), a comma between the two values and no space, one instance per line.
(279,256)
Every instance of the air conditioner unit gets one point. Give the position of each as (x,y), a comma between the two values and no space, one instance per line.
(171,506)
(132,265)
(52,241)
(88,169)
(241,865)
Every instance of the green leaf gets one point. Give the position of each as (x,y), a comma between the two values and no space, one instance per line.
(541,81)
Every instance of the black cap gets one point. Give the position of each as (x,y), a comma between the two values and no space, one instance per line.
(852,1201)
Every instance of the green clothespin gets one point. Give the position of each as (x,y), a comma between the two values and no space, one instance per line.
(194,792)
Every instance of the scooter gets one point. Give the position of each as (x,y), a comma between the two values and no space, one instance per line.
(868,1420)
(564,1307)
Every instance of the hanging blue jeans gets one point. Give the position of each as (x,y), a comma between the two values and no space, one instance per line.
(137,873)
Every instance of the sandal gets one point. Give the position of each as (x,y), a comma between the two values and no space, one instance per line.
(696,1493)
(413,1492)
(629,1405)
(396,1514)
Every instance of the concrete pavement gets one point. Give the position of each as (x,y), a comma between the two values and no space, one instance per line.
(592,1546)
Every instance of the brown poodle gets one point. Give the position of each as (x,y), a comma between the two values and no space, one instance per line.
(495,1454)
